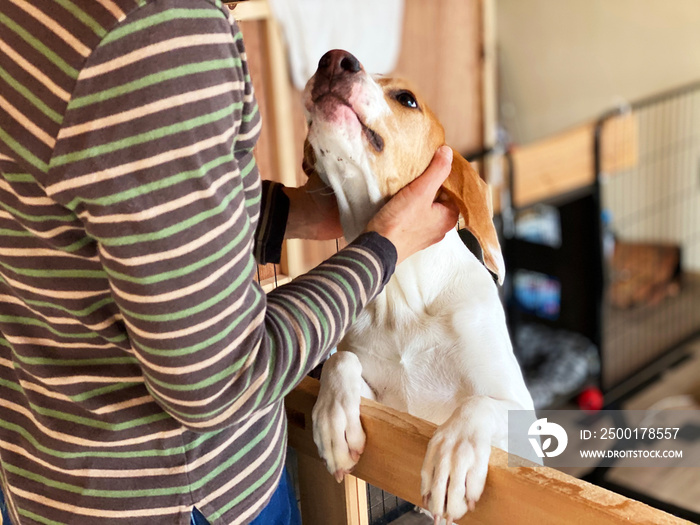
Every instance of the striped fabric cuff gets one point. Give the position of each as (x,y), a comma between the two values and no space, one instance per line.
(272,223)
(383,248)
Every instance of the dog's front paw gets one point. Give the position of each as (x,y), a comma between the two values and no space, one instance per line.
(455,467)
(337,429)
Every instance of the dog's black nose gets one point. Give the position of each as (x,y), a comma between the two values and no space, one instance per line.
(339,60)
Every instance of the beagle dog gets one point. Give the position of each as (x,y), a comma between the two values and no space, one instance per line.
(434,343)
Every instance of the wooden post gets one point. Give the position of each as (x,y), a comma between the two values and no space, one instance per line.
(324,501)
(356,500)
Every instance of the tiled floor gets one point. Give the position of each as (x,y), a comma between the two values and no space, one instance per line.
(679,388)
(413,518)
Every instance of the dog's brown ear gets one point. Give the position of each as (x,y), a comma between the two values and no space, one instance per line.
(473,198)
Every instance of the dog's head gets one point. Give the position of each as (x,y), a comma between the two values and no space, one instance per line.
(370,136)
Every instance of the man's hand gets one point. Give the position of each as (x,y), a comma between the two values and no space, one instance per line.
(313,212)
(413,220)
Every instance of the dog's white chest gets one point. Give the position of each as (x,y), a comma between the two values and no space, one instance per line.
(409,367)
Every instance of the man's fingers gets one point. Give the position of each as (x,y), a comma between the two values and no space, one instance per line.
(436,173)
(447,202)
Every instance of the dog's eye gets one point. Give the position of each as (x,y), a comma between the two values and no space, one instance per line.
(406,98)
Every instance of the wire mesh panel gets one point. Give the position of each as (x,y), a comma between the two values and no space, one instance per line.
(384,507)
(651,235)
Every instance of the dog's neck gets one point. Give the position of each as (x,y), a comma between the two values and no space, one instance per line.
(427,279)
(348,172)
(343,164)
(420,277)
(359,200)
(358,197)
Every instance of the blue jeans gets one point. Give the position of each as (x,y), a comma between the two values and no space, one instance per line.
(3,510)
(281,510)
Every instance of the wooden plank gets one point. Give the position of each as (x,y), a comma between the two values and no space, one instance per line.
(275,151)
(256,50)
(324,502)
(441,54)
(356,500)
(396,445)
(493,166)
(553,166)
(620,143)
(268,271)
(255,37)
(321,502)
(250,10)
(287,142)
(488,72)
(271,283)
(279,97)
(565,162)
(279,150)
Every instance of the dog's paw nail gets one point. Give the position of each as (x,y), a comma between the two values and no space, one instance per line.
(339,475)
(471,504)
(437,519)
(449,520)
(355,455)
(426,500)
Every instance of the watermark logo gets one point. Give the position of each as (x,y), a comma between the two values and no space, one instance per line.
(609,438)
(543,428)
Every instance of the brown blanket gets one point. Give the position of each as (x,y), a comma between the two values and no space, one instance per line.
(643,273)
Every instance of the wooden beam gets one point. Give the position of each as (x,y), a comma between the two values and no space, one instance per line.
(270,284)
(565,162)
(250,10)
(324,502)
(523,495)
(441,55)
(281,120)
(553,166)
(492,167)
(355,500)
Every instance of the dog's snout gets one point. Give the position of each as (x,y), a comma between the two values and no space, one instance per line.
(326,60)
(338,71)
(337,61)
(350,63)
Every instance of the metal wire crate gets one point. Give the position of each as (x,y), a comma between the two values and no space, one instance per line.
(651,300)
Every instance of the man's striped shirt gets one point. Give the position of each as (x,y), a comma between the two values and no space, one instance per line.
(141,367)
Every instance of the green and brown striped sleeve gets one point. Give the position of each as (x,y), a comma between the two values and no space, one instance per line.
(141,367)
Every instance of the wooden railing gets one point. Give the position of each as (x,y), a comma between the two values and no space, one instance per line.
(396,445)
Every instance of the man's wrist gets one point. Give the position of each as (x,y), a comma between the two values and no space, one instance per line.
(297,221)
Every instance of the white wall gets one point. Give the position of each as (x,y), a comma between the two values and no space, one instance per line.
(562,62)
